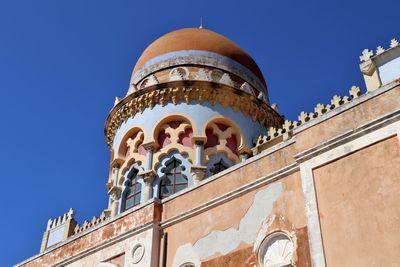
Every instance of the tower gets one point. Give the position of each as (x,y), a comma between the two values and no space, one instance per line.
(195,103)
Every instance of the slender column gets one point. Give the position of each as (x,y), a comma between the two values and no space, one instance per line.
(148,178)
(115,195)
(198,171)
(149,155)
(148,174)
(199,152)
(115,175)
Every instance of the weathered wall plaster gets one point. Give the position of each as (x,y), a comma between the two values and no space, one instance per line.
(226,241)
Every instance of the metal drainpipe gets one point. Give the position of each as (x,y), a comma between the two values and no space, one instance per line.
(165,245)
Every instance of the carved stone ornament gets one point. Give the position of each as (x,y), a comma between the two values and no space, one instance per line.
(175,92)
(276,250)
(137,253)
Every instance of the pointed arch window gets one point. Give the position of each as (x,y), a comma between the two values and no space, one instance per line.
(133,190)
(173,180)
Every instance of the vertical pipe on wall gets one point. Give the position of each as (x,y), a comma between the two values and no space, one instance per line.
(165,245)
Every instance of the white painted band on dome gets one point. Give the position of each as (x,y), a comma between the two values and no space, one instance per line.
(198,57)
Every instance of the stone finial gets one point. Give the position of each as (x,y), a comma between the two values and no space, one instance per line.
(275,107)
(336,101)
(394,42)
(117,100)
(71,213)
(366,55)
(305,117)
(380,50)
(355,91)
(288,125)
(320,109)
(261,139)
(272,132)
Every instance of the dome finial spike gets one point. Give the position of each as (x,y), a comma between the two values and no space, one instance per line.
(201,23)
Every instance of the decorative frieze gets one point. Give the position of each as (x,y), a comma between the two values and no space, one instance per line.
(199,91)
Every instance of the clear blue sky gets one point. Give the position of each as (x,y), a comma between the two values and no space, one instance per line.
(63,62)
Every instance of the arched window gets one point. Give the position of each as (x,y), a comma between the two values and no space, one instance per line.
(133,190)
(173,180)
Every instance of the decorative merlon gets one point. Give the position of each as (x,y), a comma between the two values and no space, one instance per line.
(93,222)
(367,54)
(53,223)
(275,135)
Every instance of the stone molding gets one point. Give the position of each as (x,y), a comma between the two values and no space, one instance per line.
(198,58)
(187,91)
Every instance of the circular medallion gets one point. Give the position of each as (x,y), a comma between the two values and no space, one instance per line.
(137,253)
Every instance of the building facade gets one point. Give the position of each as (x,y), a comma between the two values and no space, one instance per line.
(204,170)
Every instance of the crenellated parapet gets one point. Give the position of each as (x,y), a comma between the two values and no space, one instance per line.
(58,229)
(368,54)
(276,135)
(93,222)
(380,66)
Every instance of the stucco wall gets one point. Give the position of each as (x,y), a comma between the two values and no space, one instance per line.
(359,206)
(229,234)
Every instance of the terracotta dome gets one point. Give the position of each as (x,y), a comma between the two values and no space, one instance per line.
(198,39)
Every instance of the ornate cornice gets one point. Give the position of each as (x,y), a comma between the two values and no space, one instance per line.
(187,91)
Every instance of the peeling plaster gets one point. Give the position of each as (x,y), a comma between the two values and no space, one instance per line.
(226,241)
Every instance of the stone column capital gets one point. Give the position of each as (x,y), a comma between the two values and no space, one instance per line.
(148,176)
(151,145)
(115,193)
(199,139)
(198,173)
(116,163)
